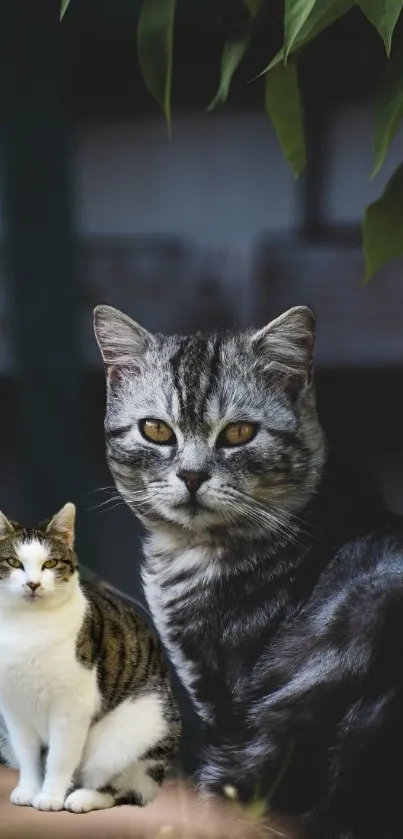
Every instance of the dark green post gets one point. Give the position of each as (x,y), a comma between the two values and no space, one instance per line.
(44,291)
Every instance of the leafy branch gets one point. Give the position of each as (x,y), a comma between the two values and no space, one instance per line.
(303,21)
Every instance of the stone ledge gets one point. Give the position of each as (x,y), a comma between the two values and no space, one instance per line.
(177,813)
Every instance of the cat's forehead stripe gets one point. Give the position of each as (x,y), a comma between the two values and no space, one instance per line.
(213,374)
(195,366)
(176,362)
(32,550)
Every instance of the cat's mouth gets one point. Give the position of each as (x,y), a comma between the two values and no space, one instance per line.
(192,505)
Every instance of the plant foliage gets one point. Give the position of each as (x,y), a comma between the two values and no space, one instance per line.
(303,21)
(63,8)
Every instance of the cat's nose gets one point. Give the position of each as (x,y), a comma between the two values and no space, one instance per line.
(193,480)
(33,586)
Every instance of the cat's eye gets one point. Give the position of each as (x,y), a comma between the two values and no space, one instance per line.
(157,431)
(237,434)
(14,562)
(50,563)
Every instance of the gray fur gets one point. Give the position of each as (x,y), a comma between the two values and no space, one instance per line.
(198,385)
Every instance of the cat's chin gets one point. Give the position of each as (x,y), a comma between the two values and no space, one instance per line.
(194,518)
(45,600)
(23,602)
(36,600)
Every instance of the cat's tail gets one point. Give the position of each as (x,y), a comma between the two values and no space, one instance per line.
(238,771)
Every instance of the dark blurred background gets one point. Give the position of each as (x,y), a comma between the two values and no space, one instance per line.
(207,230)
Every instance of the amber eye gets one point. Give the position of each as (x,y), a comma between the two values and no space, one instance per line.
(50,563)
(237,434)
(157,431)
(15,563)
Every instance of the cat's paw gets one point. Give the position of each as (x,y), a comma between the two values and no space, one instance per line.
(23,796)
(44,801)
(85,800)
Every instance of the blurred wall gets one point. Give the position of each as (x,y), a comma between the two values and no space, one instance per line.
(220,180)
(349,160)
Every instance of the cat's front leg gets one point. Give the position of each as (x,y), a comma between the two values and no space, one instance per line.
(66,743)
(27,749)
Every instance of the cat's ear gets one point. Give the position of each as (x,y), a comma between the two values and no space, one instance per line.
(286,345)
(6,528)
(121,340)
(62,525)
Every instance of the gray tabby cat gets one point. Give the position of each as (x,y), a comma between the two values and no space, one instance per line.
(82,680)
(214,443)
(281,611)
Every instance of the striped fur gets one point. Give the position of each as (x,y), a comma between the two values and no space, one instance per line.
(81,677)
(283,620)
(198,385)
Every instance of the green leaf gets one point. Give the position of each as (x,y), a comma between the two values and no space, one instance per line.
(388,109)
(383,14)
(63,8)
(232,56)
(284,106)
(296,14)
(253,6)
(155,35)
(323,14)
(233,53)
(383,226)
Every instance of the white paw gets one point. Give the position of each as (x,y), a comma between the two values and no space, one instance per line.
(85,800)
(44,801)
(23,796)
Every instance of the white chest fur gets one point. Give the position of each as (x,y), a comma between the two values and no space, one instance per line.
(39,671)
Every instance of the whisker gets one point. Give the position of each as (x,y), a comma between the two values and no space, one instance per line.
(120,503)
(110,488)
(105,503)
(274,518)
(136,496)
